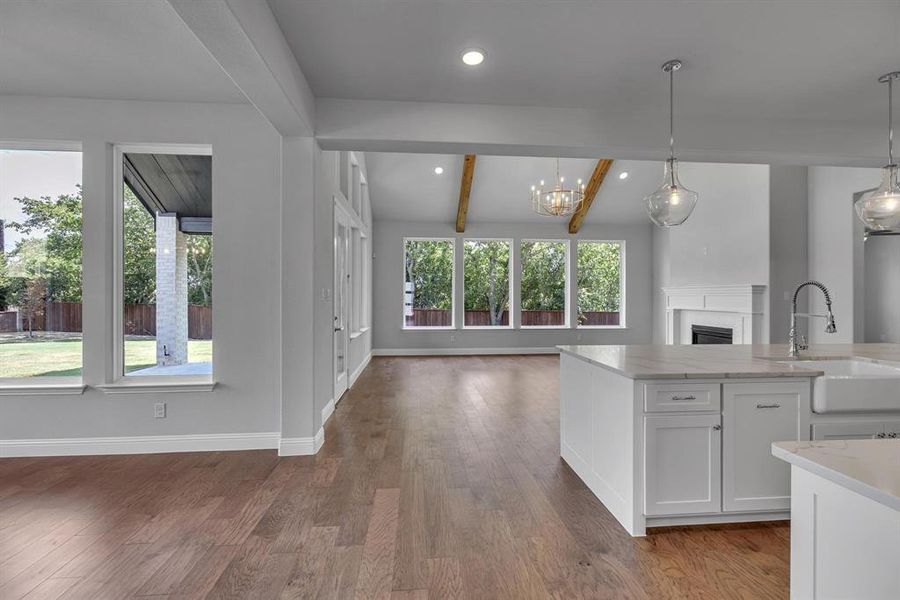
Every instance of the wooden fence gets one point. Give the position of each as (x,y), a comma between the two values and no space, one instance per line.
(423,317)
(137,319)
(8,321)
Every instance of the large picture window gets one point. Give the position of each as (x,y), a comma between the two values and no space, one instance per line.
(599,284)
(544,289)
(428,283)
(486,282)
(167,264)
(40,263)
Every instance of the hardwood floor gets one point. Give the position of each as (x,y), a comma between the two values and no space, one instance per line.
(440,478)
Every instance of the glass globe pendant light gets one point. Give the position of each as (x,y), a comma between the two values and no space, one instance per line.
(672,203)
(880,208)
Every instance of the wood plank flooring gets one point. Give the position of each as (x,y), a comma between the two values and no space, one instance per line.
(439,478)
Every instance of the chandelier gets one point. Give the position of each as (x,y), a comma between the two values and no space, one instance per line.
(559,201)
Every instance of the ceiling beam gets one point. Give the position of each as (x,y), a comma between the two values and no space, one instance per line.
(590,192)
(465,188)
(246,41)
(454,128)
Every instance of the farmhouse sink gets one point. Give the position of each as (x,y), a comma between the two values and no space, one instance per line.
(854,386)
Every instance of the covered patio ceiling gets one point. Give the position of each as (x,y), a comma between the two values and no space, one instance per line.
(173,183)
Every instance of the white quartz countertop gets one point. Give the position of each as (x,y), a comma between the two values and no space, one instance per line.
(722,361)
(868,467)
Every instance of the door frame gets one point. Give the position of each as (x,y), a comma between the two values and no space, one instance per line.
(340,323)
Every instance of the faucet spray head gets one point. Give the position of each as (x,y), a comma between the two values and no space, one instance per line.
(829,323)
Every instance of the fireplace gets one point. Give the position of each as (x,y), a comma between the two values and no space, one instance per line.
(706,334)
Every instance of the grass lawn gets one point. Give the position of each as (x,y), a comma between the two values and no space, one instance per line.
(63,356)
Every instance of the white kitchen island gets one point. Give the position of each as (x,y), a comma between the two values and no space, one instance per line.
(845,526)
(679,435)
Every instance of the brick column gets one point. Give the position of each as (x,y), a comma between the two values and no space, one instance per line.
(171,292)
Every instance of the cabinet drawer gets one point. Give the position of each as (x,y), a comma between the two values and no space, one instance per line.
(679,397)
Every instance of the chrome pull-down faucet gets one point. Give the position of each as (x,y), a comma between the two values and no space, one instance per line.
(795,345)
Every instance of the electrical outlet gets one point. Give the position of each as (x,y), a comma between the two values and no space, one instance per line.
(578,336)
(452,338)
(159,410)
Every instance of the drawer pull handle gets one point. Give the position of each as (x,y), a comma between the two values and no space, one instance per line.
(768,406)
(683,398)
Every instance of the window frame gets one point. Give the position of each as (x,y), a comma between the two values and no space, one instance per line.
(48,384)
(116,379)
(623,324)
(511,266)
(454,245)
(568,284)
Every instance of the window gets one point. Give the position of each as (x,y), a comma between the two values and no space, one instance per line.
(544,289)
(428,284)
(40,263)
(356,281)
(166,263)
(486,283)
(600,289)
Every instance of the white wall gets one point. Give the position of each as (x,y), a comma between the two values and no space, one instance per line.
(263,305)
(788,245)
(835,248)
(327,188)
(726,239)
(388,287)
(882,289)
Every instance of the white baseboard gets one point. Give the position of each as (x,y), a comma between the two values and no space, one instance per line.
(148,444)
(302,446)
(460,351)
(327,411)
(362,367)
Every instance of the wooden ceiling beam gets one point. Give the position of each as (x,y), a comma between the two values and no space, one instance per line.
(465,188)
(590,192)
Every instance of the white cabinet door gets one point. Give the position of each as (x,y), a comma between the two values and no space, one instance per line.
(682,464)
(753,416)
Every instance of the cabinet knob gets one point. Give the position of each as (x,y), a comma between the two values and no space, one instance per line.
(717,427)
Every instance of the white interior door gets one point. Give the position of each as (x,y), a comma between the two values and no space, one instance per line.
(341,302)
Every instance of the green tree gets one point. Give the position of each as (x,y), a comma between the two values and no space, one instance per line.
(139,266)
(60,222)
(486,268)
(53,251)
(599,277)
(429,267)
(200,253)
(544,276)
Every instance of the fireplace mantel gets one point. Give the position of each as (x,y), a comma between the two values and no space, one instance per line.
(739,307)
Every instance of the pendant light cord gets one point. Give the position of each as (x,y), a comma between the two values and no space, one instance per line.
(671,114)
(672,125)
(890,83)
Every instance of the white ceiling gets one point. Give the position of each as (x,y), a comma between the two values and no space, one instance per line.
(106,49)
(743,58)
(404,187)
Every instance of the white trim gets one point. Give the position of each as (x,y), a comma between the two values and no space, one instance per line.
(41,386)
(42,145)
(358,371)
(138,384)
(147,444)
(460,351)
(712,519)
(302,446)
(327,411)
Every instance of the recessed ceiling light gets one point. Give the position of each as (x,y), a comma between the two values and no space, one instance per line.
(473,56)
(623,175)
(438,170)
